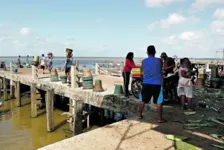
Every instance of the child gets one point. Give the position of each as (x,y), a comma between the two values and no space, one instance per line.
(185,84)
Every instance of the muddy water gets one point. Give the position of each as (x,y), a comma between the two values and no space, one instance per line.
(18,131)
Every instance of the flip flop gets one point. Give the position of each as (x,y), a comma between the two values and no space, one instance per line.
(161,121)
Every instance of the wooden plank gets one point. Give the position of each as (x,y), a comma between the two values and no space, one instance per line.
(33,101)
(18,95)
(5,88)
(50,110)
(77,117)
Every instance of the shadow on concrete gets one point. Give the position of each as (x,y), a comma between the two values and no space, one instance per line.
(198,138)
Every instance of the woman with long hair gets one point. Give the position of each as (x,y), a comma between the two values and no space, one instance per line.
(129,64)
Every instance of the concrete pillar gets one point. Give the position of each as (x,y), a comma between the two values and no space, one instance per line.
(34,72)
(74,77)
(88,121)
(17,93)
(96,69)
(12,89)
(50,110)
(77,117)
(5,89)
(33,100)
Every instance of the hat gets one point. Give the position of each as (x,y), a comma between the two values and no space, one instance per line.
(50,53)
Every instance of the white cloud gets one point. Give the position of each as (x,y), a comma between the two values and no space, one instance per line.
(219,13)
(196,44)
(173,19)
(187,36)
(218,27)
(25,31)
(159,3)
(202,4)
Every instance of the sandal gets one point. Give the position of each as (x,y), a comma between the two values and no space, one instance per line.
(161,121)
(140,117)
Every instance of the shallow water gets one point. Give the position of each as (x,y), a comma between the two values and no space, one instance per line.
(18,131)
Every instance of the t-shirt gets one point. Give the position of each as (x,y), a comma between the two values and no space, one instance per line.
(129,65)
(42,61)
(49,63)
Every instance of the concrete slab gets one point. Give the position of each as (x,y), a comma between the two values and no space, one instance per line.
(124,135)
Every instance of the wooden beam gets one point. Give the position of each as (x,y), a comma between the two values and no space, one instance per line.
(18,95)
(50,110)
(5,89)
(33,100)
(77,117)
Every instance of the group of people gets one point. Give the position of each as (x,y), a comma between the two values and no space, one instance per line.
(154,70)
(47,63)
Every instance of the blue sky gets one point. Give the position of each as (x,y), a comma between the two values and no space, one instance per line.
(193,28)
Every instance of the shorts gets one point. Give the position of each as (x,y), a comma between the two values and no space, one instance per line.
(42,67)
(185,91)
(151,90)
(67,70)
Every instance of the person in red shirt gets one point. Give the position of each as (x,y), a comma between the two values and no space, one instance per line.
(129,64)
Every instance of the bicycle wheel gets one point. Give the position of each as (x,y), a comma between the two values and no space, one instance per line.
(136,87)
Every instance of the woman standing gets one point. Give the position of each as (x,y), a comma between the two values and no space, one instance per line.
(129,64)
(185,83)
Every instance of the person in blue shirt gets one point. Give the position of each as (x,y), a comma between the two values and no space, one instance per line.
(152,82)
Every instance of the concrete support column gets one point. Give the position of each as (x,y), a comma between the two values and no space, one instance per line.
(12,89)
(50,110)
(77,117)
(33,100)
(5,89)
(17,93)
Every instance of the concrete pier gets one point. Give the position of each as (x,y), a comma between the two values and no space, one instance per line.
(77,96)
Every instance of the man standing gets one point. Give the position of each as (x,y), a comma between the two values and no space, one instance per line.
(152,82)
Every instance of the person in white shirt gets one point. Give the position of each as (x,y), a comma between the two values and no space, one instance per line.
(42,63)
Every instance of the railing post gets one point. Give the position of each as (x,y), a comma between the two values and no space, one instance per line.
(74,77)
(34,72)
(96,69)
